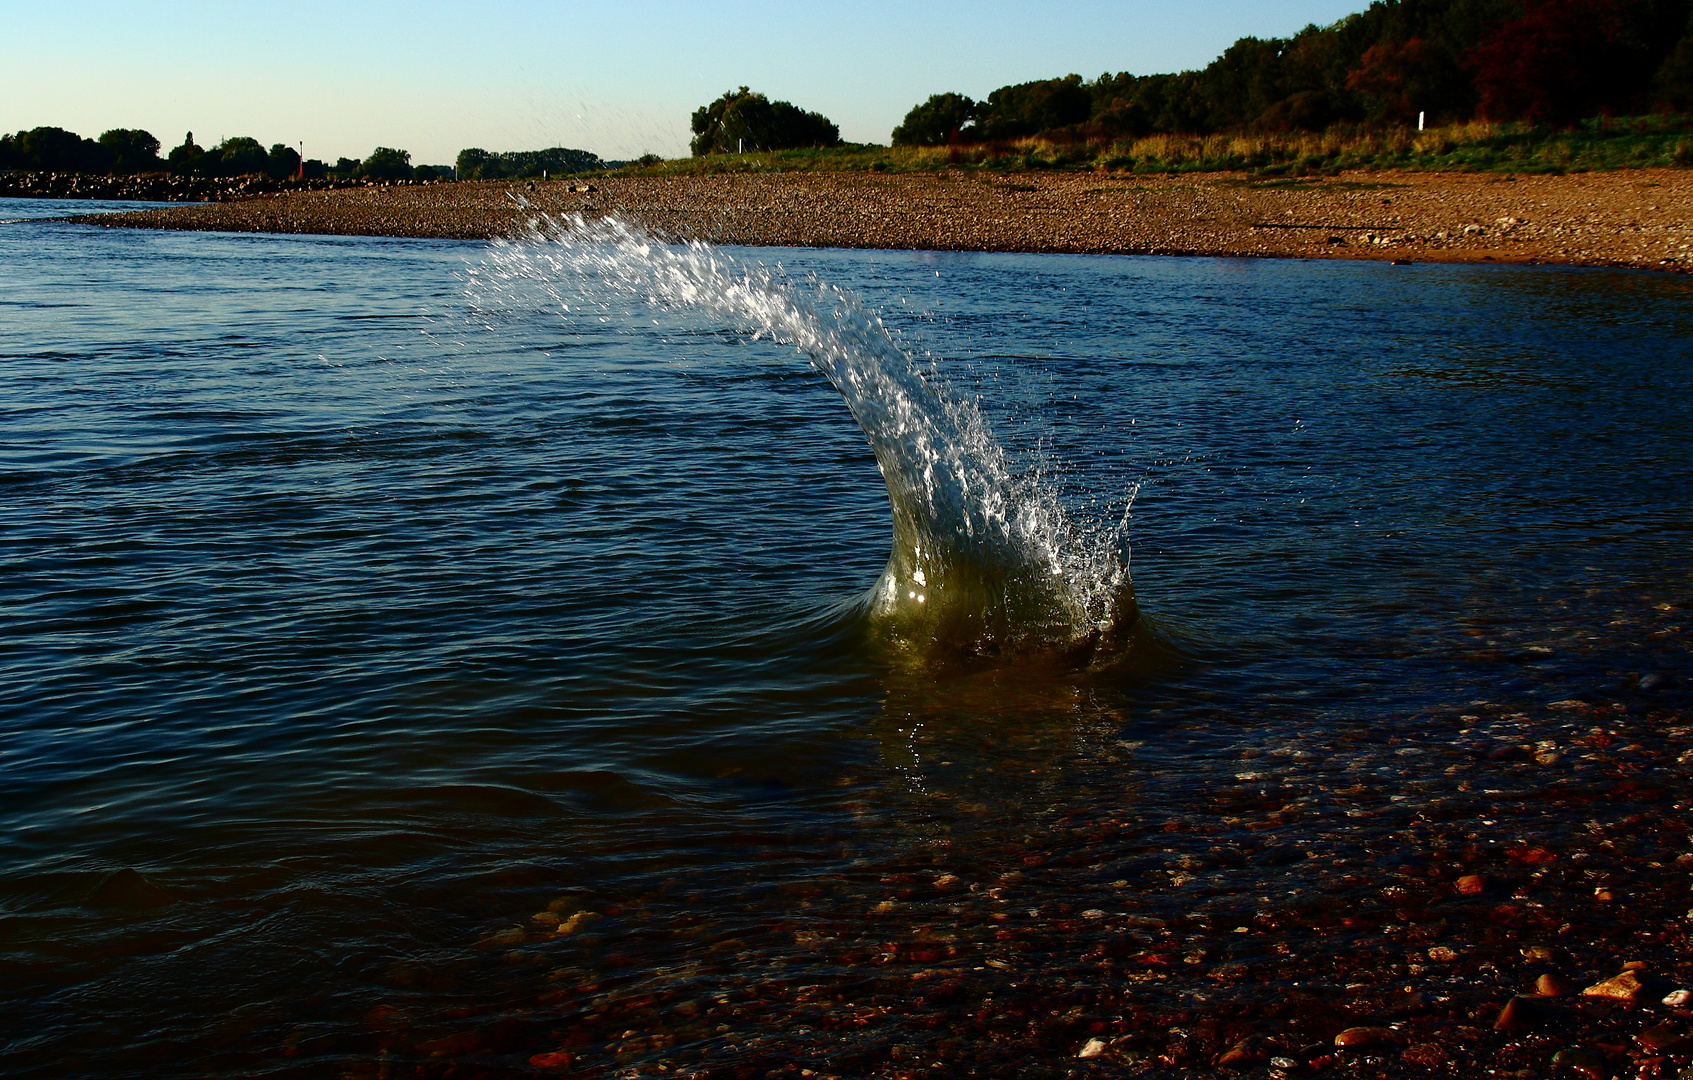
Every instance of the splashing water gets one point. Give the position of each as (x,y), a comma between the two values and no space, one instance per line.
(984,560)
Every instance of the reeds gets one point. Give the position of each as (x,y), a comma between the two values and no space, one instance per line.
(1602,143)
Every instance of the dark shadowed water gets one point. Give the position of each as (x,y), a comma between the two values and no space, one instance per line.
(474,656)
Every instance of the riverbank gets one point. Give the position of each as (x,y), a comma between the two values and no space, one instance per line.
(1635,218)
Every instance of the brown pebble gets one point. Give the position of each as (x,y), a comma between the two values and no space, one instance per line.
(1357,1038)
(1519,1014)
(1662,1038)
(1472,885)
(1551,985)
(1624,987)
(1427,1055)
(1635,965)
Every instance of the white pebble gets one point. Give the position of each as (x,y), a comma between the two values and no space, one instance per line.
(1678,998)
(1094,1048)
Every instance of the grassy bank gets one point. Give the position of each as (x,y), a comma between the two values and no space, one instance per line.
(1600,144)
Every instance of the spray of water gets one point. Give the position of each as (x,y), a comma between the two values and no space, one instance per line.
(984,559)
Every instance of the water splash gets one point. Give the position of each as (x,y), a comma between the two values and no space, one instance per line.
(985,559)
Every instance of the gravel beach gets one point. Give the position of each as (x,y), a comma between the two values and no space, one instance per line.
(1635,218)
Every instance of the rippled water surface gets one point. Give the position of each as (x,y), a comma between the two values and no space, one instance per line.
(424,656)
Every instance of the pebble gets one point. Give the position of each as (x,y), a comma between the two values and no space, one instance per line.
(1519,1014)
(1678,998)
(1360,1038)
(1552,985)
(1581,1059)
(127,888)
(1092,1049)
(1472,885)
(1624,987)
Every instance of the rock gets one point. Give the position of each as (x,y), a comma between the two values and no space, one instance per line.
(1581,1059)
(1472,885)
(1520,1014)
(128,889)
(1092,1049)
(1662,1038)
(1678,998)
(1624,987)
(1248,1051)
(1635,965)
(1552,985)
(511,935)
(1653,681)
(555,1061)
(1427,1055)
(1363,1038)
(1538,954)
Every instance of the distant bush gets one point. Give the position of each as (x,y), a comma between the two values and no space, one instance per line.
(475,164)
(386,163)
(741,121)
(936,122)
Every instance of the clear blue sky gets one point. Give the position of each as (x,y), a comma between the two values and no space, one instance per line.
(618,77)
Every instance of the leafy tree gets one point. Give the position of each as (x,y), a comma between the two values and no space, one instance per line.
(742,120)
(386,163)
(1673,84)
(936,122)
(132,151)
(241,156)
(53,149)
(476,164)
(282,162)
(1012,112)
(187,157)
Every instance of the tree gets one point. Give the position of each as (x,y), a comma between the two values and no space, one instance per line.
(241,156)
(1554,65)
(283,162)
(936,122)
(187,157)
(741,120)
(386,163)
(132,151)
(53,149)
(1012,112)
(478,164)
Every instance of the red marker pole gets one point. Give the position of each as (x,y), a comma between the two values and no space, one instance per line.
(302,174)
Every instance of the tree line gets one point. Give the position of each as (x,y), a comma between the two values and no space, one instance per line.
(124,151)
(1543,62)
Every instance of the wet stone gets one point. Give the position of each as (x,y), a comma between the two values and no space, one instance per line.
(1365,1038)
(1582,1061)
(1624,987)
(1553,985)
(1520,1014)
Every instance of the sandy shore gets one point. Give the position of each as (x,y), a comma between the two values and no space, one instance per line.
(1637,218)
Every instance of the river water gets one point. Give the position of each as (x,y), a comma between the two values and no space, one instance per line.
(451,659)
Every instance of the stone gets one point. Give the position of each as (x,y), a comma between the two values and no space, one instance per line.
(1362,1038)
(1581,1059)
(1519,1014)
(1538,954)
(1624,987)
(1662,1038)
(511,935)
(1092,1049)
(1427,1055)
(555,1061)
(126,888)
(1678,998)
(1472,885)
(1247,1052)
(1552,985)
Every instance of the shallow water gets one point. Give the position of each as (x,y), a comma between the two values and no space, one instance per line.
(383,613)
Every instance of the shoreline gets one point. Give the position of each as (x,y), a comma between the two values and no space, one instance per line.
(1641,219)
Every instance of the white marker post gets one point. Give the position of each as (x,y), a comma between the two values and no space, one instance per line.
(1420,115)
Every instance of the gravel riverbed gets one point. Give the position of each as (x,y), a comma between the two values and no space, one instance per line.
(1635,218)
